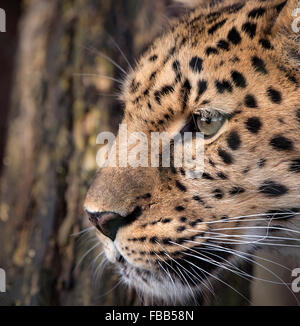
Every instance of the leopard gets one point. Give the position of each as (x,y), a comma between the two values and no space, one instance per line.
(229,70)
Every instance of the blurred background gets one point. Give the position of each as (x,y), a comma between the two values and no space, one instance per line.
(54,100)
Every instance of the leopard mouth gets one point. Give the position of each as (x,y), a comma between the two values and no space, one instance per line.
(174,281)
(161,288)
(176,276)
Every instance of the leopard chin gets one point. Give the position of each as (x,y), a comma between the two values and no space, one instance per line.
(186,281)
(161,286)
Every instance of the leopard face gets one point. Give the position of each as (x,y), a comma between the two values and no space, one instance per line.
(170,236)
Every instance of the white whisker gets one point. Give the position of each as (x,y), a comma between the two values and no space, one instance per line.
(244,218)
(82,232)
(218,279)
(257,227)
(99,76)
(122,52)
(106,57)
(258,264)
(186,270)
(85,255)
(110,291)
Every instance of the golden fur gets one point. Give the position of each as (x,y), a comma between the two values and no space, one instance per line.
(250,66)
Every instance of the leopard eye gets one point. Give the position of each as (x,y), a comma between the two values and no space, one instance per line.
(209,123)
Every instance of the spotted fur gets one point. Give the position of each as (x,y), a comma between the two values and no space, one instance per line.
(239,57)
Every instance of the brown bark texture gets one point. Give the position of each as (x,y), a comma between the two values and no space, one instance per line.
(59,103)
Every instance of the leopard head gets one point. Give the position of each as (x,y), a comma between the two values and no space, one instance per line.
(230,70)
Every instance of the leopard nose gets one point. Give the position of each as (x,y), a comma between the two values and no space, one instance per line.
(107,223)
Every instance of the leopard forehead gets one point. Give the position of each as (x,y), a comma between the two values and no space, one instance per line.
(222,58)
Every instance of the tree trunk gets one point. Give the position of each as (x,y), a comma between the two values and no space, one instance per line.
(56,114)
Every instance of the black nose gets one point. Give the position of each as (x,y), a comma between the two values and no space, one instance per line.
(107,223)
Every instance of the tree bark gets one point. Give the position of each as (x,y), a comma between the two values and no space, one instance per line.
(56,114)
(58,106)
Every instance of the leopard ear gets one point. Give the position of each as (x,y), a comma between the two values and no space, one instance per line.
(285,32)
